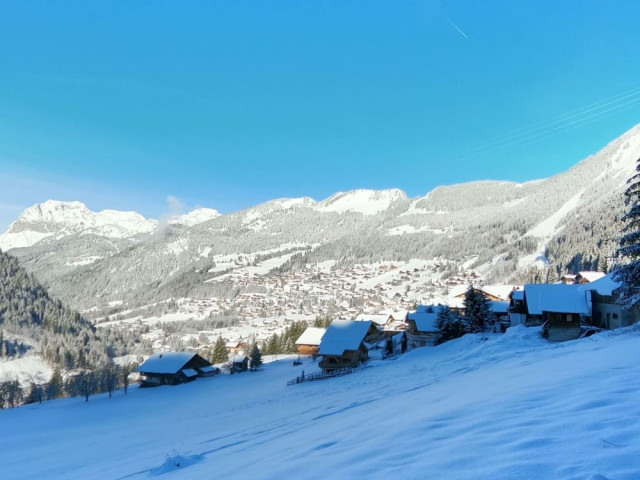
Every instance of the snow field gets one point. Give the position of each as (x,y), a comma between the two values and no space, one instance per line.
(511,407)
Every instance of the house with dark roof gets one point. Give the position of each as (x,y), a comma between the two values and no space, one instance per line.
(343,344)
(172,368)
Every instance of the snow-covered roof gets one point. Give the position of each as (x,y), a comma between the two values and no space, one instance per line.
(238,358)
(518,295)
(208,369)
(189,372)
(380,319)
(590,276)
(400,315)
(166,362)
(343,335)
(458,290)
(499,291)
(311,336)
(557,298)
(604,286)
(499,307)
(425,321)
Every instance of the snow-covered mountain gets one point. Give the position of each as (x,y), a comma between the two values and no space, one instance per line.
(367,202)
(194,217)
(61,219)
(501,229)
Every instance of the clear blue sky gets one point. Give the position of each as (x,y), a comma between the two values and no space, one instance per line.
(227,104)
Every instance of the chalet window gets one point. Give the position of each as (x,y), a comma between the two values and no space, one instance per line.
(615,316)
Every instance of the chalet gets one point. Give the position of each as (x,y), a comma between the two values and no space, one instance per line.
(560,307)
(309,341)
(397,322)
(500,312)
(239,363)
(606,309)
(343,344)
(172,368)
(588,277)
(422,326)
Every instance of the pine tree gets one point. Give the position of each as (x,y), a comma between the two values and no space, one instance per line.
(54,387)
(449,324)
(629,249)
(220,354)
(477,310)
(255,357)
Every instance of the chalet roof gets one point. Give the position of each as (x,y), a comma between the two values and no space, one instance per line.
(604,286)
(458,290)
(311,336)
(556,298)
(499,291)
(380,319)
(590,276)
(189,372)
(425,321)
(400,315)
(343,335)
(166,362)
(518,295)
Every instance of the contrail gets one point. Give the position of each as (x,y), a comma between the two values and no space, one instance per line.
(456,27)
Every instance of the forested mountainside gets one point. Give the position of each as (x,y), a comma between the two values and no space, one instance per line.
(30,320)
(508,231)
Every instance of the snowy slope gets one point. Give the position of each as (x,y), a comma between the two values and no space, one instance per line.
(513,407)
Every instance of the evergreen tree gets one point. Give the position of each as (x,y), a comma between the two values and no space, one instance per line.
(449,324)
(54,387)
(220,354)
(629,249)
(255,357)
(477,310)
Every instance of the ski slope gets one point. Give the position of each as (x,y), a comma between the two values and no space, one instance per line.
(511,407)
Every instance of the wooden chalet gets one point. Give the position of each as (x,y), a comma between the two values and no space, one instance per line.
(172,368)
(422,327)
(560,307)
(343,344)
(309,341)
(239,363)
(588,277)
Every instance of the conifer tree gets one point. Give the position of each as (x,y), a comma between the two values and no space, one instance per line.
(629,249)
(449,325)
(220,354)
(255,357)
(54,387)
(477,310)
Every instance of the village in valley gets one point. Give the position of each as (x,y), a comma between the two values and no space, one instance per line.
(342,337)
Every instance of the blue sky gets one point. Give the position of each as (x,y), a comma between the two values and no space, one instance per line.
(227,104)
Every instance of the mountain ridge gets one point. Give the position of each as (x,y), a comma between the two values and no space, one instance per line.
(502,228)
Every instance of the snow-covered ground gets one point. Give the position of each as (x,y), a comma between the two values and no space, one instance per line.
(512,407)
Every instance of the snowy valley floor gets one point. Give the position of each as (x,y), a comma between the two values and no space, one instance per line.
(512,407)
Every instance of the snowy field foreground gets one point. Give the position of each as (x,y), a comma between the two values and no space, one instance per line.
(513,407)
